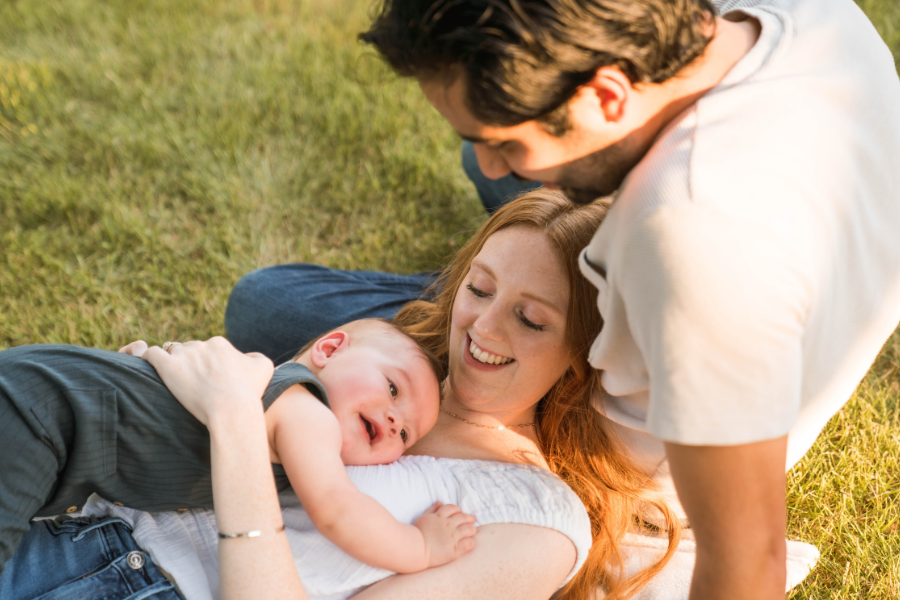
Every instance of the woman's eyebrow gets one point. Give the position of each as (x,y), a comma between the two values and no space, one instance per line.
(552,306)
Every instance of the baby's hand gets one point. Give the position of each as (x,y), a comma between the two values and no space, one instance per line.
(449,533)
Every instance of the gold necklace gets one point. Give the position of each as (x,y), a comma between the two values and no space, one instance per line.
(499,427)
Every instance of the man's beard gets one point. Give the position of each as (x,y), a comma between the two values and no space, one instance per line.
(597,175)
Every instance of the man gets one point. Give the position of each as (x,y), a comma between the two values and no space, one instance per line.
(749,269)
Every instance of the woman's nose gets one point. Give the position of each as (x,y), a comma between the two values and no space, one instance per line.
(491,162)
(488,325)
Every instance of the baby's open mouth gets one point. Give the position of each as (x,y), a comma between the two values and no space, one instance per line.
(370,429)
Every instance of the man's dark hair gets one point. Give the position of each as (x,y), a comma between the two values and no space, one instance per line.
(524,59)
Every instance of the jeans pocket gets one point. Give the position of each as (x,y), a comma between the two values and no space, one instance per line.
(118,581)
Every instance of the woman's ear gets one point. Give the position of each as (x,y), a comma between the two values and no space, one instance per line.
(327,346)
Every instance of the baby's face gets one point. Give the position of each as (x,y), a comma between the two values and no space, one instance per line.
(385,397)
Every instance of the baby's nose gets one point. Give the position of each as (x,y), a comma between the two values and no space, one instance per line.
(393,424)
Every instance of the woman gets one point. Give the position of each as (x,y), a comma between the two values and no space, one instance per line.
(514,321)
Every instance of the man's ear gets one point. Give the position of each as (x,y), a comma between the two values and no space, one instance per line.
(606,94)
(327,346)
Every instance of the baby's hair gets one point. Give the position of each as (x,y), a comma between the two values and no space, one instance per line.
(362,330)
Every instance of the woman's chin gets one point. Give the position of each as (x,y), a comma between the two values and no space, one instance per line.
(470,389)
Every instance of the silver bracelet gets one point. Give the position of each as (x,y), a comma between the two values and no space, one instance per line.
(249,534)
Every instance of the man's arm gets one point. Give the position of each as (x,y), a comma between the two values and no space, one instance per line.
(734,497)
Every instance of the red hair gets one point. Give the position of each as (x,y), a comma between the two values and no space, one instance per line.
(574,438)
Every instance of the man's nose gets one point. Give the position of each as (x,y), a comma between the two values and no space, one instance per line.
(491,162)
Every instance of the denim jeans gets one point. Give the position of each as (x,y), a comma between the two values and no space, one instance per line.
(277,310)
(493,192)
(83,559)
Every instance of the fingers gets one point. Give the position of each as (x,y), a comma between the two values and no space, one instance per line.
(462,518)
(156,356)
(136,348)
(447,510)
(433,508)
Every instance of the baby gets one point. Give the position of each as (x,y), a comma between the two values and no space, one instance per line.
(74,421)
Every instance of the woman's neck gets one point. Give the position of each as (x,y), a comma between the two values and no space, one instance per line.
(482,435)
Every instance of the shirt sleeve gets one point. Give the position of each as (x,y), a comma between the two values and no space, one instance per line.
(717,309)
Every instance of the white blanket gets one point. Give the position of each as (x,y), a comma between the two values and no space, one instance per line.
(674,581)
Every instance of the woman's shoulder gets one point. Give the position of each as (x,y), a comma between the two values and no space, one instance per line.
(495,492)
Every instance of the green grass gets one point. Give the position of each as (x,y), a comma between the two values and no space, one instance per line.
(151,153)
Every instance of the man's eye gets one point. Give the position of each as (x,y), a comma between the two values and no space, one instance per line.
(393,389)
(403,435)
(476,291)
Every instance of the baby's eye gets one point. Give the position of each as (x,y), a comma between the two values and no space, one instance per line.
(403,435)
(393,389)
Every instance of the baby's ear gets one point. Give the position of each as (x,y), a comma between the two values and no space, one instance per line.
(327,346)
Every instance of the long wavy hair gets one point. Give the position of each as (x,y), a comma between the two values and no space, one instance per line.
(573,437)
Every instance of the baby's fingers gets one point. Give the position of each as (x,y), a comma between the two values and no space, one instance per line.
(464,538)
(448,510)
(465,545)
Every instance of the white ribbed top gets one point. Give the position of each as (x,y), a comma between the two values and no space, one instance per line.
(184,543)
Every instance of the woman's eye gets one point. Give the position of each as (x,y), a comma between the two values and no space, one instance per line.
(403,435)
(530,324)
(476,291)
(393,389)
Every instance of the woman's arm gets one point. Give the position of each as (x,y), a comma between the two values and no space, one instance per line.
(509,561)
(222,388)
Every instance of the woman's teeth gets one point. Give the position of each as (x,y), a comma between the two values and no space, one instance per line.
(487,357)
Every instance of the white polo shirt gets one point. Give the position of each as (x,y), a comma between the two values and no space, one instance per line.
(749,268)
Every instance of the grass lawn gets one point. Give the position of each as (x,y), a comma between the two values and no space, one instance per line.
(151,153)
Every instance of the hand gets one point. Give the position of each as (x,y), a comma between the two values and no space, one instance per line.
(449,533)
(212,378)
(134,348)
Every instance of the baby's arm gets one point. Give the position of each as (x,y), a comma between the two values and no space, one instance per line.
(306,437)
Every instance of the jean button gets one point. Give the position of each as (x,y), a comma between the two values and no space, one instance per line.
(135,560)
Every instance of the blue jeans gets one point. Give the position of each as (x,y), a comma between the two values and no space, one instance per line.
(277,310)
(493,192)
(83,559)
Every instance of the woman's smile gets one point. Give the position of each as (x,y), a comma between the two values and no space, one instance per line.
(478,356)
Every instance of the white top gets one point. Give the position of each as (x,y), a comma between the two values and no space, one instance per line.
(750,263)
(184,543)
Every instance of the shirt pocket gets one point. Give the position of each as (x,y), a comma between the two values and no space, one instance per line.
(82,434)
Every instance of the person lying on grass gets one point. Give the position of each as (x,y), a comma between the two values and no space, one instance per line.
(82,420)
(517,445)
